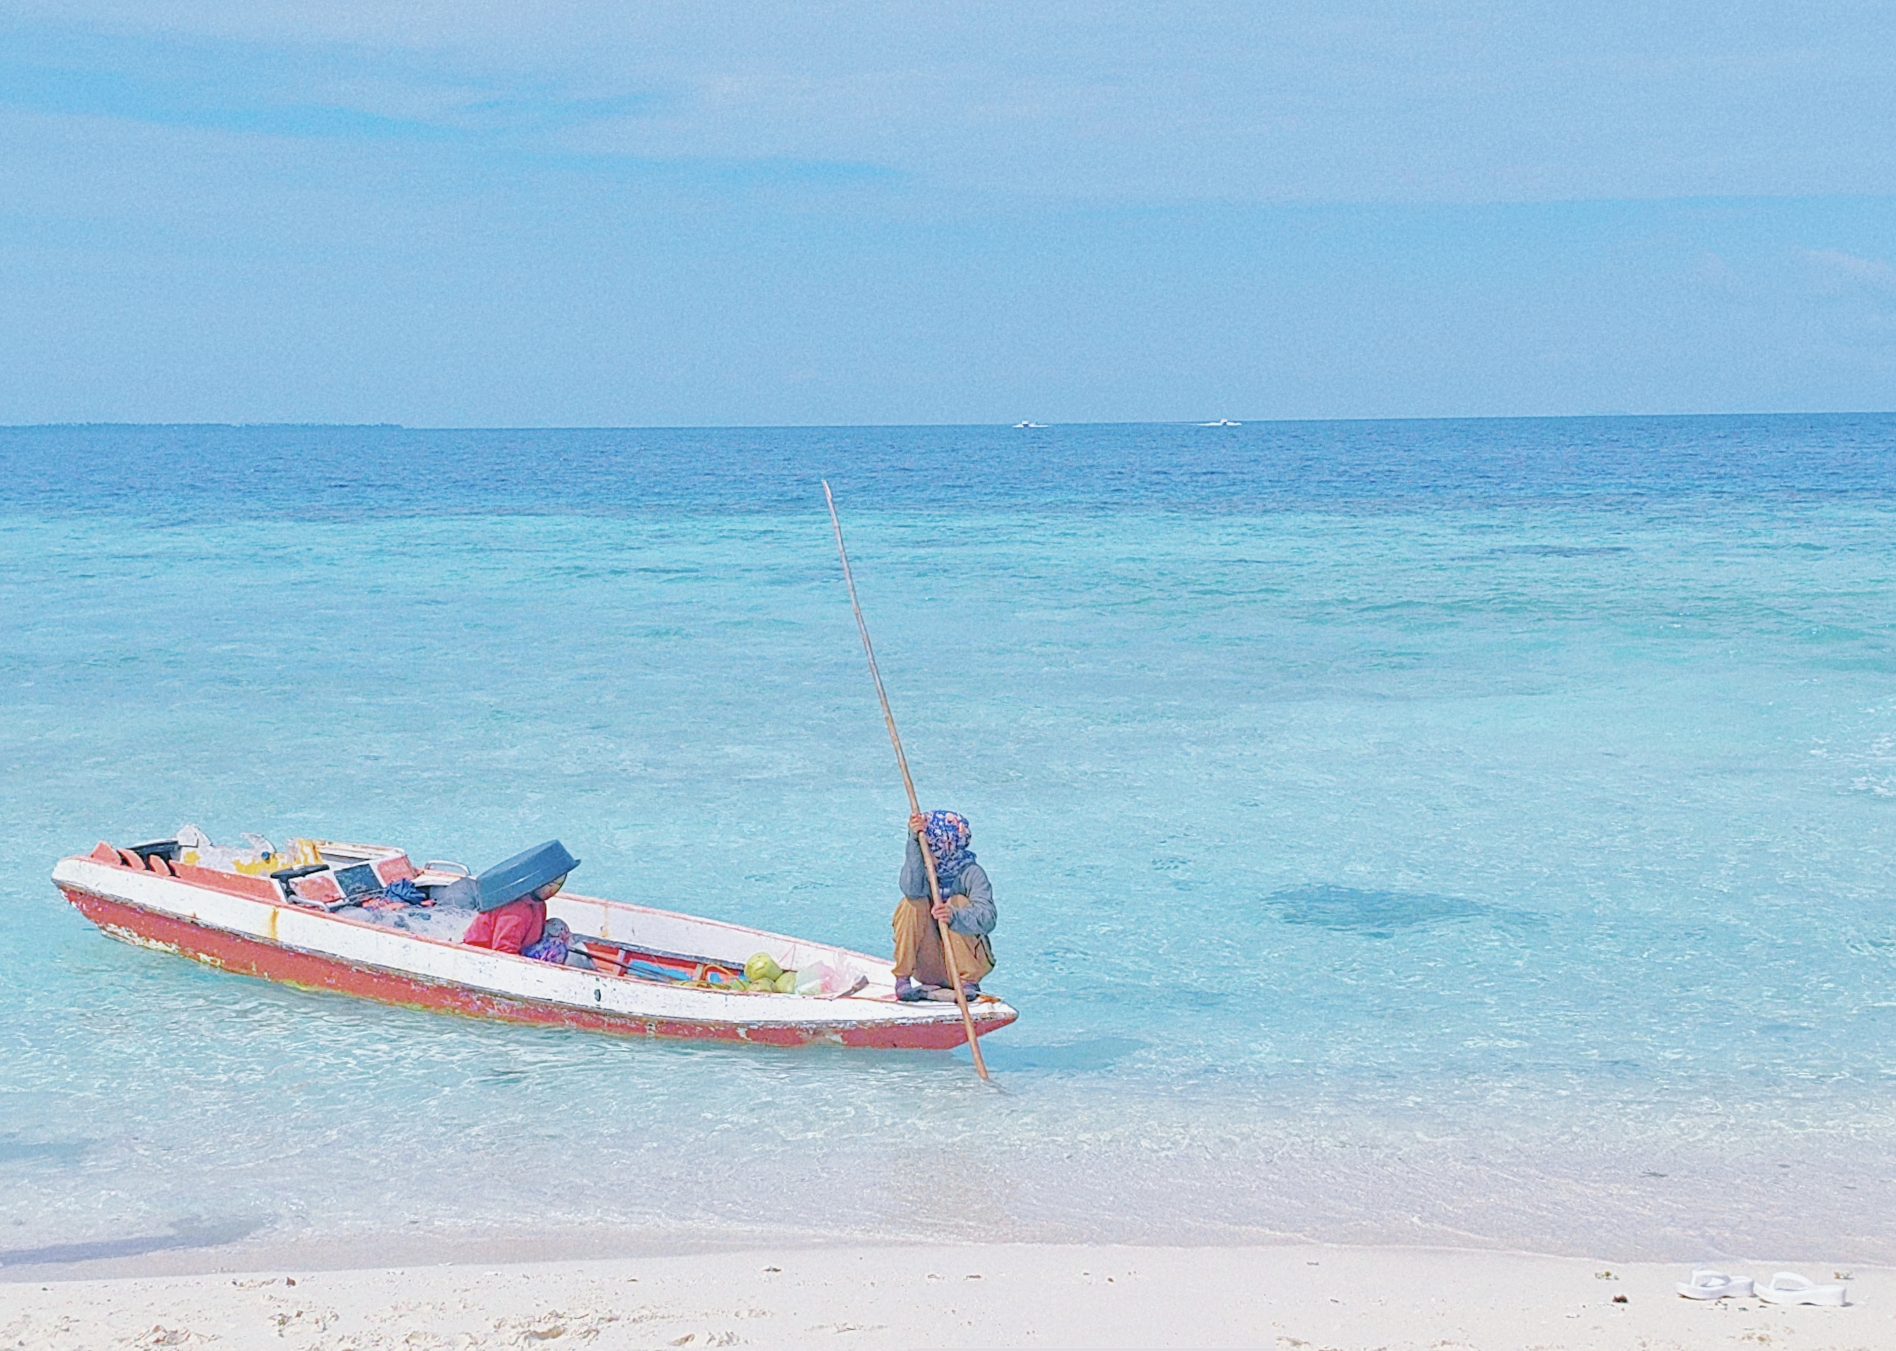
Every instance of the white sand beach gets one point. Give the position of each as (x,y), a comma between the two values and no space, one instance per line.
(1001,1295)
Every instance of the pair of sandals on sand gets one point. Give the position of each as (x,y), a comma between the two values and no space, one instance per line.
(1787,1287)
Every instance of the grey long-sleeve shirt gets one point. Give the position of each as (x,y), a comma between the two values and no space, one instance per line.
(975,918)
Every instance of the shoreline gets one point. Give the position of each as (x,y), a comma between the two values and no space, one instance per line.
(951,1294)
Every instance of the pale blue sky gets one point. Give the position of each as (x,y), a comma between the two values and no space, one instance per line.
(590,213)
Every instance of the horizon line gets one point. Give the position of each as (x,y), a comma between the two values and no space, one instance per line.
(1208,425)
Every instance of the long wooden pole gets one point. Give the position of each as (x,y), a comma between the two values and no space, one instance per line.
(915,807)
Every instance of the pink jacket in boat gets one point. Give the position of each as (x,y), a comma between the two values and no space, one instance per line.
(510,928)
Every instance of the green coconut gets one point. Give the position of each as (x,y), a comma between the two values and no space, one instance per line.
(787,983)
(762,966)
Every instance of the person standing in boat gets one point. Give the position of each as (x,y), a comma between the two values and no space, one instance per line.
(967,903)
(513,897)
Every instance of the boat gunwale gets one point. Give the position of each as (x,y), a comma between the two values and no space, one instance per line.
(842,1014)
(631,907)
(502,1006)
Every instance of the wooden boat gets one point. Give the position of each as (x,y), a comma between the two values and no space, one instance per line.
(656,973)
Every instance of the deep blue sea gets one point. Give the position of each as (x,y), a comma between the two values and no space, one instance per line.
(1475,833)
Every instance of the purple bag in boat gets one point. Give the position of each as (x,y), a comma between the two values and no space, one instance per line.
(554,940)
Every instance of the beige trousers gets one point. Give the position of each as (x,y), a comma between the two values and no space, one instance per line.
(918,946)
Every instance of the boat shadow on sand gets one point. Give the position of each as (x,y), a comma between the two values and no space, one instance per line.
(186,1234)
(53,1152)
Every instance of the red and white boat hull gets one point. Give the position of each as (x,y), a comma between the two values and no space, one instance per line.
(241,924)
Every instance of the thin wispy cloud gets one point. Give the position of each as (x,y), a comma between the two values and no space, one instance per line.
(294,90)
(1871,274)
(344,92)
(1201,100)
(583,211)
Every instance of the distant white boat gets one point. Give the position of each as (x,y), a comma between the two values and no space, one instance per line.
(1221,422)
(1025,426)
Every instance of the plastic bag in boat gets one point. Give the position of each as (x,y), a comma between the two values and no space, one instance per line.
(552,945)
(825,978)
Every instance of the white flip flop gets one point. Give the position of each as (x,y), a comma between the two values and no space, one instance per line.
(1714,1285)
(1787,1287)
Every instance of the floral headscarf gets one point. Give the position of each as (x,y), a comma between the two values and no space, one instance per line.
(947,834)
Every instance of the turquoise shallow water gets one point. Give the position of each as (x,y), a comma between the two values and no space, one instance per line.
(1474,833)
